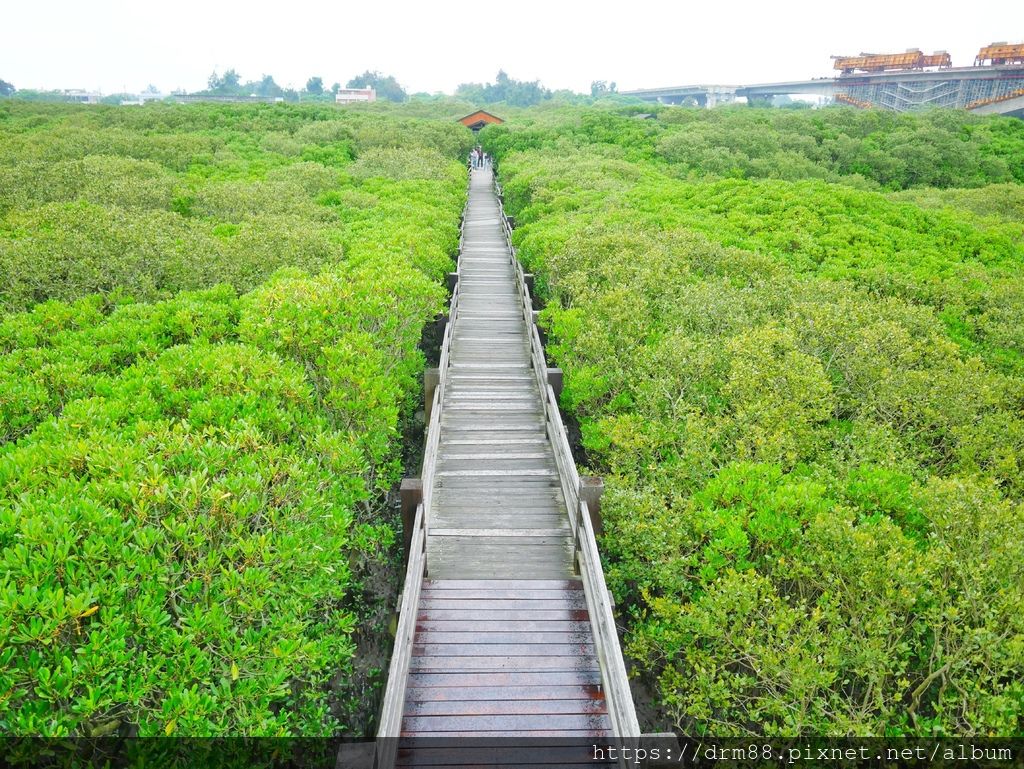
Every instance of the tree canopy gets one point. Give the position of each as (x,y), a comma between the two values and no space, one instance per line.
(386,86)
(520,93)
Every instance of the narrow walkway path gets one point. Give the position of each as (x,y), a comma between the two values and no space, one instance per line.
(503,642)
(498,507)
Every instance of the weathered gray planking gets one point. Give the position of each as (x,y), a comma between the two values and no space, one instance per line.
(504,641)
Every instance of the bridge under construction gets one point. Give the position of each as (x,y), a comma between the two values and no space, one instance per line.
(988,90)
(897,82)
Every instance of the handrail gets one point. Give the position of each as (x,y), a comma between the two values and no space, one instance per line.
(606,640)
(606,637)
(398,672)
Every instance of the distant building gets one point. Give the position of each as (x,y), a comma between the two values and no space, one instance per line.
(78,96)
(355,95)
(477,120)
(138,100)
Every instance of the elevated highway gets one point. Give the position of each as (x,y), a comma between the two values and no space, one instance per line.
(986,90)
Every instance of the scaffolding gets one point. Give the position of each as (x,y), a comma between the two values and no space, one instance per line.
(905,95)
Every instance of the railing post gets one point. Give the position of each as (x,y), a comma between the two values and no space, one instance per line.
(555,380)
(411,493)
(431,379)
(591,489)
(664,745)
(453,278)
(440,324)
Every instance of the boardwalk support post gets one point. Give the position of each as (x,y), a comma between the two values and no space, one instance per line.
(453,278)
(441,323)
(664,745)
(411,492)
(431,379)
(555,380)
(591,489)
(528,279)
(535,315)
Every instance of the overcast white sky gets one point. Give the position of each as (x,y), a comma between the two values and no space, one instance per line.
(115,45)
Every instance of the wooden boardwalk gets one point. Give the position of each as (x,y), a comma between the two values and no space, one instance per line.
(506,626)
(498,507)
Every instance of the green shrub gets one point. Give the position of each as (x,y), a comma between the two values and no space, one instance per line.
(806,401)
(208,353)
(174,558)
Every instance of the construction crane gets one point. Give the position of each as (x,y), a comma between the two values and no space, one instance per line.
(1000,53)
(912,58)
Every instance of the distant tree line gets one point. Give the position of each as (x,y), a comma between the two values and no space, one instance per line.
(526,93)
(230,84)
(504,89)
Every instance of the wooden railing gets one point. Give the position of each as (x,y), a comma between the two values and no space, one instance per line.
(398,673)
(599,604)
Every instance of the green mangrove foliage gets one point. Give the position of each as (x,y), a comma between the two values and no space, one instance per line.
(865,149)
(807,399)
(209,329)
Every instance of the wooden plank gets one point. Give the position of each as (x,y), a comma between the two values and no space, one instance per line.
(578,753)
(450,566)
(503,584)
(592,692)
(544,604)
(457,650)
(495,497)
(441,589)
(509,663)
(420,680)
(458,560)
(524,473)
(532,536)
(531,723)
(495,366)
(512,634)
(494,626)
(511,442)
(470,427)
(502,706)
(485,519)
(503,615)
(535,506)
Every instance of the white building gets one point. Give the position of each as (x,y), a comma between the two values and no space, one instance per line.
(79,96)
(355,95)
